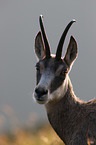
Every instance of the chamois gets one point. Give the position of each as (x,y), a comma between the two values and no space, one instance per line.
(72,119)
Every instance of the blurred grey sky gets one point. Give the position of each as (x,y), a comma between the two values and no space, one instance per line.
(18,27)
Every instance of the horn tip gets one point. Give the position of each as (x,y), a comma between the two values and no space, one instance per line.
(73,20)
(41,16)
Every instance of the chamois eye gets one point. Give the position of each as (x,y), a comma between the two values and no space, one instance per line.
(64,72)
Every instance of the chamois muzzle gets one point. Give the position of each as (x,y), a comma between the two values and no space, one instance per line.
(41,95)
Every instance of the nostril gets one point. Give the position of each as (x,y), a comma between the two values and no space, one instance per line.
(40,92)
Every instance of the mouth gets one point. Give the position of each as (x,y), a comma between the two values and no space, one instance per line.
(40,99)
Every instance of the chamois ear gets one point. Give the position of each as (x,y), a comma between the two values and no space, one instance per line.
(71,53)
(39,46)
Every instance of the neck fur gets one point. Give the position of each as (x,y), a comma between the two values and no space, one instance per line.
(67,95)
(62,112)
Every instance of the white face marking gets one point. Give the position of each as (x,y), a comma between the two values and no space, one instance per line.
(46,79)
(60,92)
(44,84)
(48,74)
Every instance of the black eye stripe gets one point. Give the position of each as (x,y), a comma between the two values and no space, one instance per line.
(54,85)
(63,71)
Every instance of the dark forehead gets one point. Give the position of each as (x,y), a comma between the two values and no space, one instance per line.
(52,62)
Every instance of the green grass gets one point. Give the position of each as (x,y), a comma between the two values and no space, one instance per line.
(41,136)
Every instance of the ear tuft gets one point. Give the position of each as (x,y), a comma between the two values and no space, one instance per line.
(39,47)
(71,53)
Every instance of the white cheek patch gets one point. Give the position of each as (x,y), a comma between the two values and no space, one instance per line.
(60,92)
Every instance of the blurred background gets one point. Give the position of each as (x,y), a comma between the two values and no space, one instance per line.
(18,28)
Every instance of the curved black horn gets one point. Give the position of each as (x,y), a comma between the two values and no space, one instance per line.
(47,48)
(61,42)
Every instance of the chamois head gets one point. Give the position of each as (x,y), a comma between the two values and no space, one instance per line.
(52,70)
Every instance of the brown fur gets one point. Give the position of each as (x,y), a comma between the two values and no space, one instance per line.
(73,120)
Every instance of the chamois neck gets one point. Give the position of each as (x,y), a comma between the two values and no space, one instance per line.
(68,99)
(61,113)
